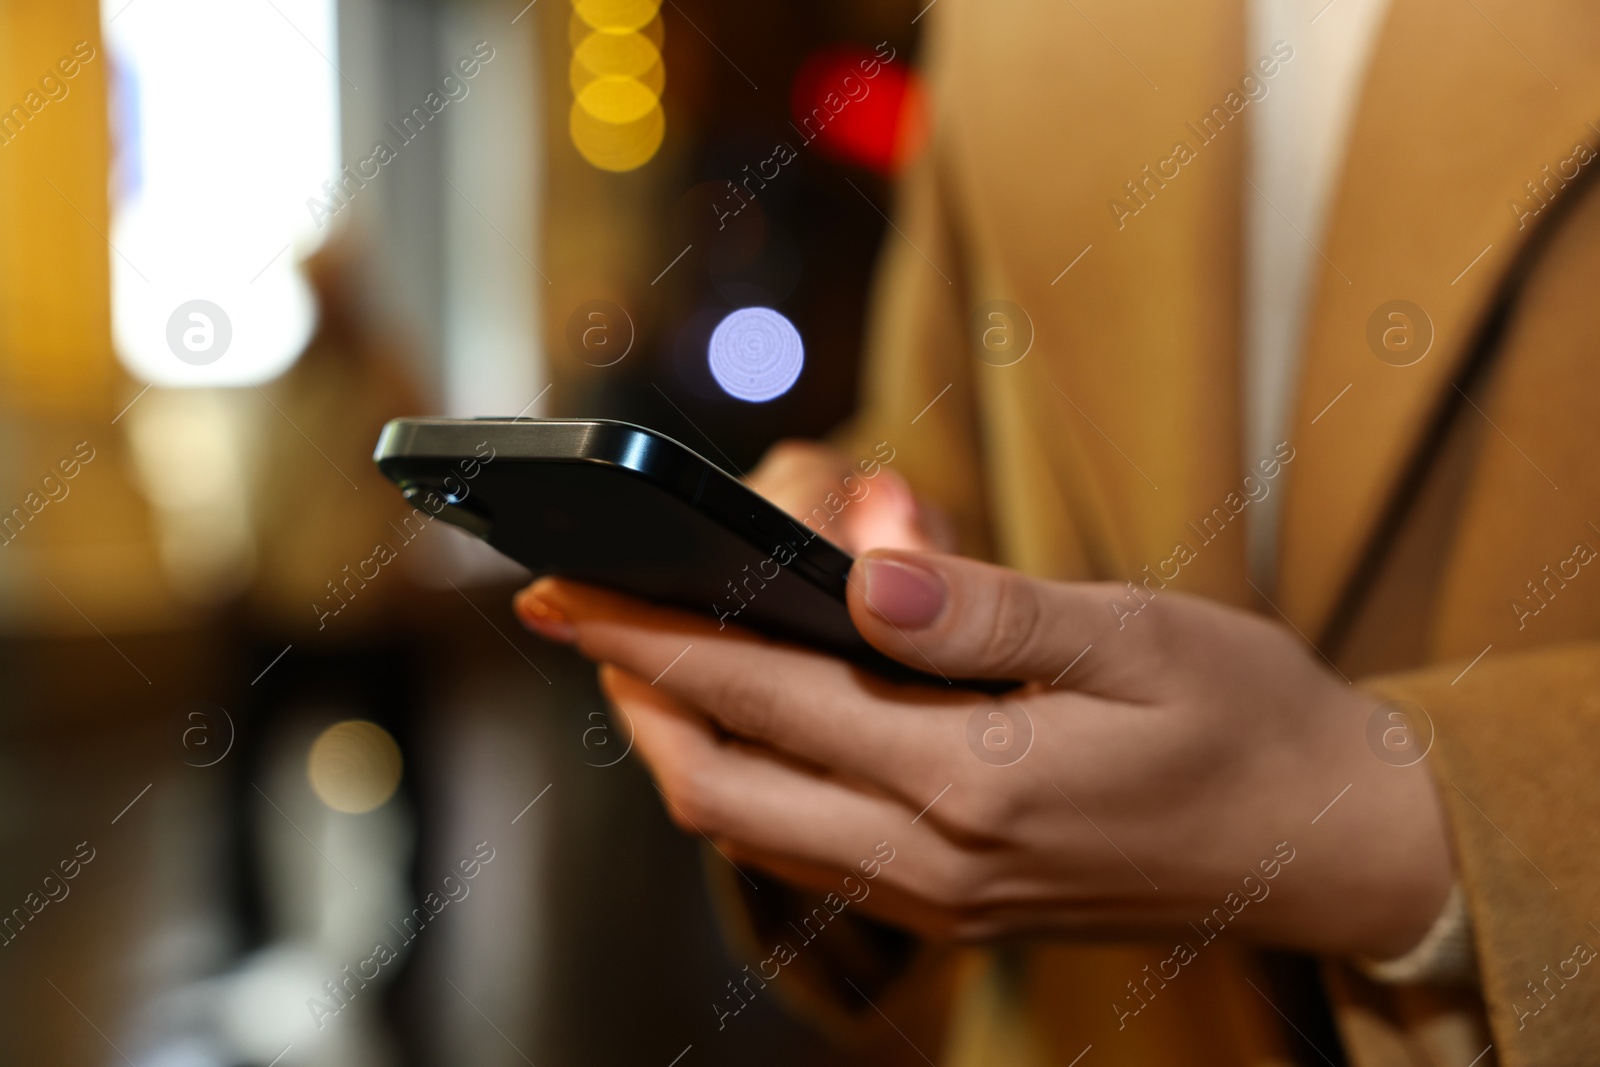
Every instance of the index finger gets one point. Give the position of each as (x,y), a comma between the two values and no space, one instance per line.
(806,703)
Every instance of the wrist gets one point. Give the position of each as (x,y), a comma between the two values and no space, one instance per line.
(1397,839)
(1379,867)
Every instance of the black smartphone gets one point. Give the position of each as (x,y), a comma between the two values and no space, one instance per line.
(620,506)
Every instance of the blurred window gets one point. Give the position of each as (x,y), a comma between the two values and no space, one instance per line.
(225,121)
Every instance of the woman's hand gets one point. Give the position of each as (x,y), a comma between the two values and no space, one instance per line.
(1155,768)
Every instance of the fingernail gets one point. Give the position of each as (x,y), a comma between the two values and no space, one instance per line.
(902,593)
(543,619)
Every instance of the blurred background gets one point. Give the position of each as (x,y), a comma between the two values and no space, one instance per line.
(236,236)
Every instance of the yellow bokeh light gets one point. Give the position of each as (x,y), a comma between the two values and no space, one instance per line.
(354,766)
(617,16)
(625,55)
(618,146)
(617,77)
(617,100)
(578,30)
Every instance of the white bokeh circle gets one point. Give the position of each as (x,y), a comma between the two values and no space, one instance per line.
(756,354)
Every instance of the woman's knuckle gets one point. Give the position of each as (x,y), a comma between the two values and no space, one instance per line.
(979,814)
(952,884)
(1165,629)
(690,798)
(1015,624)
(742,702)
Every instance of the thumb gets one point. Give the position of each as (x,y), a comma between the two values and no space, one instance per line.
(977,620)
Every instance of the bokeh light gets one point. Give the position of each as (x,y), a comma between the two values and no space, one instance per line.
(617,100)
(756,354)
(621,55)
(617,16)
(617,147)
(859,109)
(578,31)
(617,77)
(354,766)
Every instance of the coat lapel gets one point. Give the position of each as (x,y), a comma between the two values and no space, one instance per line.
(1465,140)
(1120,428)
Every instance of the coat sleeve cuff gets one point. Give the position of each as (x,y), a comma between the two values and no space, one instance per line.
(1444,956)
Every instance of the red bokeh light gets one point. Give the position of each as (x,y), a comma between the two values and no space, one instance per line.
(873,120)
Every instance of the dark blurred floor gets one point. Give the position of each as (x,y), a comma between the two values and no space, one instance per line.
(588,938)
